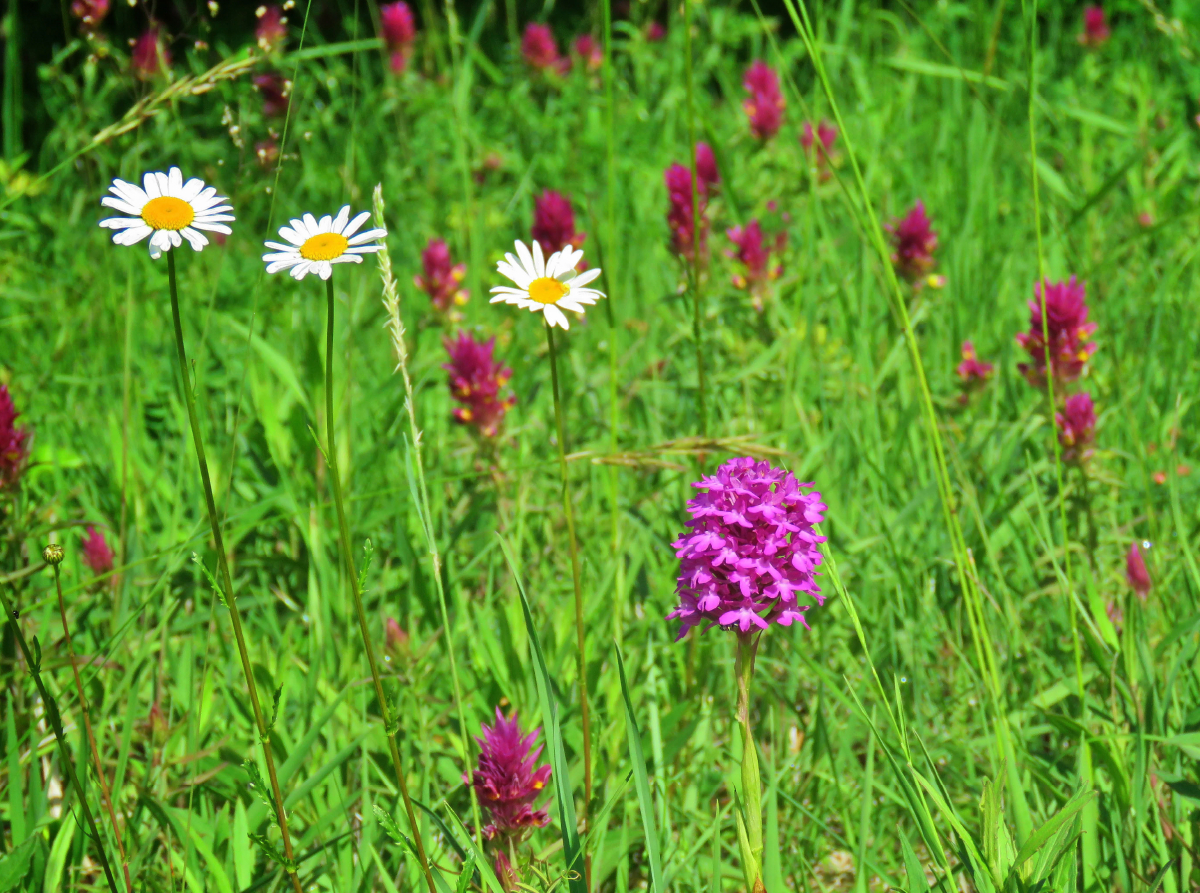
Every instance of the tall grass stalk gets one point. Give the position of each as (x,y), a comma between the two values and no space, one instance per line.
(391,727)
(973,600)
(395,327)
(87,721)
(226,581)
(33,660)
(749,816)
(694,267)
(569,512)
(610,239)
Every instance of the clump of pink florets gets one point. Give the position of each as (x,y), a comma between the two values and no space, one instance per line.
(972,372)
(750,549)
(97,554)
(754,253)
(1095,27)
(14,441)
(1136,573)
(508,779)
(90,14)
(1068,329)
(440,277)
(764,106)
(399,31)
(540,49)
(150,55)
(476,380)
(554,222)
(913,242)
(589,51)
(1077,427)
(680,217)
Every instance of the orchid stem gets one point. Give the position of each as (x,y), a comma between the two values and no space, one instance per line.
(749,816)
(264,731)
(348,560)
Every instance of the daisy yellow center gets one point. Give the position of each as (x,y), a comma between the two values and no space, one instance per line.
(546,290)
(325,246)
(168,212)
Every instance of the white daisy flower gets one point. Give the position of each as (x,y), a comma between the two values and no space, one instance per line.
(167,210)
(543,284)
(316,245)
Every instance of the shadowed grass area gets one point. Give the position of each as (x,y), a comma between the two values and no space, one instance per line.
(917,734)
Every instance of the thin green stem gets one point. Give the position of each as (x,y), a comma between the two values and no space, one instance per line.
(572,546)
(348,561)
(749,818)
(89,824)
(87,725)
(694,266)
(395,326)
(264,731)
(1042,283)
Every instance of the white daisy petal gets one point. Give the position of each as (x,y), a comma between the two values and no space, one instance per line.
(539,261)
(584,278)
(195,238)
(325,225)
(133,235)
(130,192)
(174,182)
(121,205)
(514,272)
(526,258)
(554,316)
(121,222)
(191,191)
(570,305)
(310,223)
(554,264)
(368,236)
(364,249)
(163,182)
(150,184)
(276,265)
(213,227)
(339,222)
(353,225)
(324,269)
(292,235)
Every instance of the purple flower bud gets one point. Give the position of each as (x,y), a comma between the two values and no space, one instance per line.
(765,104)
(14,441)
(1136,572)
(507,780)
(97,554)
(913,242)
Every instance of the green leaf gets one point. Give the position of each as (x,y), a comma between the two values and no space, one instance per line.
(1051,827)
(572,851)
(212,581)
(464,879)
(640,781)
(912,866)
(258,787)
(14,865)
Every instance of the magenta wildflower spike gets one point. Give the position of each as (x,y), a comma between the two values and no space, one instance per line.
(679,213)
(706,168)
(399,30)
(275,90)
(476,380)
(913,242)
(1095,27)
(589,51)
(1077,428)
(754,253)
(972,373)
(764,106)
(441,278)
(554,223)
(1068,328)
(90,13)
(14,441)
(750,549)
(97,554)
(1135,570)
(508,780)
(150,55)
(540,49)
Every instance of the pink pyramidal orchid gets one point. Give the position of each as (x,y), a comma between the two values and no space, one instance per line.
(750,549)
(508,779)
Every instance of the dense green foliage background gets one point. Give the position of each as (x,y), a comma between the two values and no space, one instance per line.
(822,380)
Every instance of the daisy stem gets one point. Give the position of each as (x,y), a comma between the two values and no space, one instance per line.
(694,266)
(574,550)
(749,816)
(34,665)
(87,725)
(235,616)
(348,560)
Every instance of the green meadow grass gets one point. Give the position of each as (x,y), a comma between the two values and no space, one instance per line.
(892,756)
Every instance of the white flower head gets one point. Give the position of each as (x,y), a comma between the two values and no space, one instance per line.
(316,245)
(167,210)
(542,285)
